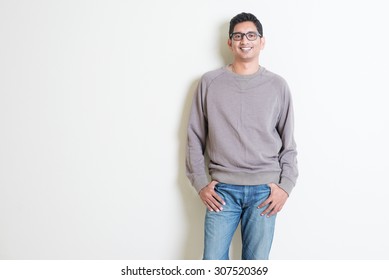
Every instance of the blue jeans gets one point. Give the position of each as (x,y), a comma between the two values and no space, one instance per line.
(241,206)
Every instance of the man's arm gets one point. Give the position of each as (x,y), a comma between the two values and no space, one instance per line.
(288,154)
(287,157)
(196,141)
(195,150)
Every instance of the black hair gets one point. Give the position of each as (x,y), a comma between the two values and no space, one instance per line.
(242,17)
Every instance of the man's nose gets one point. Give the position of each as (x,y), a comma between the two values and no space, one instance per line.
(244,39)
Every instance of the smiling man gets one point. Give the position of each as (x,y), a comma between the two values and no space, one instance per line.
(242,116)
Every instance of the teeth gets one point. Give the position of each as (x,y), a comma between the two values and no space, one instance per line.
(245,49)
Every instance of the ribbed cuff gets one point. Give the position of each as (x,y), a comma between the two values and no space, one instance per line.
(200,182)
(286,184)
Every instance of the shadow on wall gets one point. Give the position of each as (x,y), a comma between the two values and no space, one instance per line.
(224,49)
(193,207)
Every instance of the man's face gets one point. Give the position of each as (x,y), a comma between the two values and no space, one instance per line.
(246,50)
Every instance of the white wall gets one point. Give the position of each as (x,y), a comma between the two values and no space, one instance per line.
(94,98)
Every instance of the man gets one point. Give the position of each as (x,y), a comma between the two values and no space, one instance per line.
(242,116)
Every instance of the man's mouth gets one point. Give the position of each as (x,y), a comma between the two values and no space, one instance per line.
(246,49)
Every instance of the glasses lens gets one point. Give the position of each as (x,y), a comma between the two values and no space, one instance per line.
(237,36)
(251,36)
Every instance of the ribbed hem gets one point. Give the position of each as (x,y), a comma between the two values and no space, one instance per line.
(246,179)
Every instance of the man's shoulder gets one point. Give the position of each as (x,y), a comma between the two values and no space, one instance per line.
(213,74)
(277,82)
(275,78)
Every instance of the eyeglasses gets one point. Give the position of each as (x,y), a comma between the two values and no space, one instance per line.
(251,36)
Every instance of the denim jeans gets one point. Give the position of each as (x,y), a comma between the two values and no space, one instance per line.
(241,206)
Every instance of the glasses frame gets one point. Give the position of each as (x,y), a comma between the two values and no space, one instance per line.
(245,34)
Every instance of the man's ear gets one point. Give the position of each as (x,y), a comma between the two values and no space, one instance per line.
(229,43)
(262,44)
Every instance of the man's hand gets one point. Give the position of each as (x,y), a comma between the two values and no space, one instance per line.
(210,198)
(275,201)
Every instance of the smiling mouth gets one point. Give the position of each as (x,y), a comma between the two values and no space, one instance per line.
(246,49)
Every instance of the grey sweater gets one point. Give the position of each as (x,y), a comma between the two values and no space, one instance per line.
(245,124)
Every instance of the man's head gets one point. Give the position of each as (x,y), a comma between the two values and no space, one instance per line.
(246,38)
(242,17)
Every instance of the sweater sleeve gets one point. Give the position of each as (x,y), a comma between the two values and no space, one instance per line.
(288,152)
(196,141)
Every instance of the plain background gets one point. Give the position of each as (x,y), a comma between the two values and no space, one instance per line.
(94,98)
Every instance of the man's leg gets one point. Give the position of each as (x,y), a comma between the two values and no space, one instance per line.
(257,230)
(221,226)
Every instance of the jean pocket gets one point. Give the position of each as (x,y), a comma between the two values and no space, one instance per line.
(219,185)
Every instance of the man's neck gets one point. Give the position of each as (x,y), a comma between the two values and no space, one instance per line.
(243,68)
